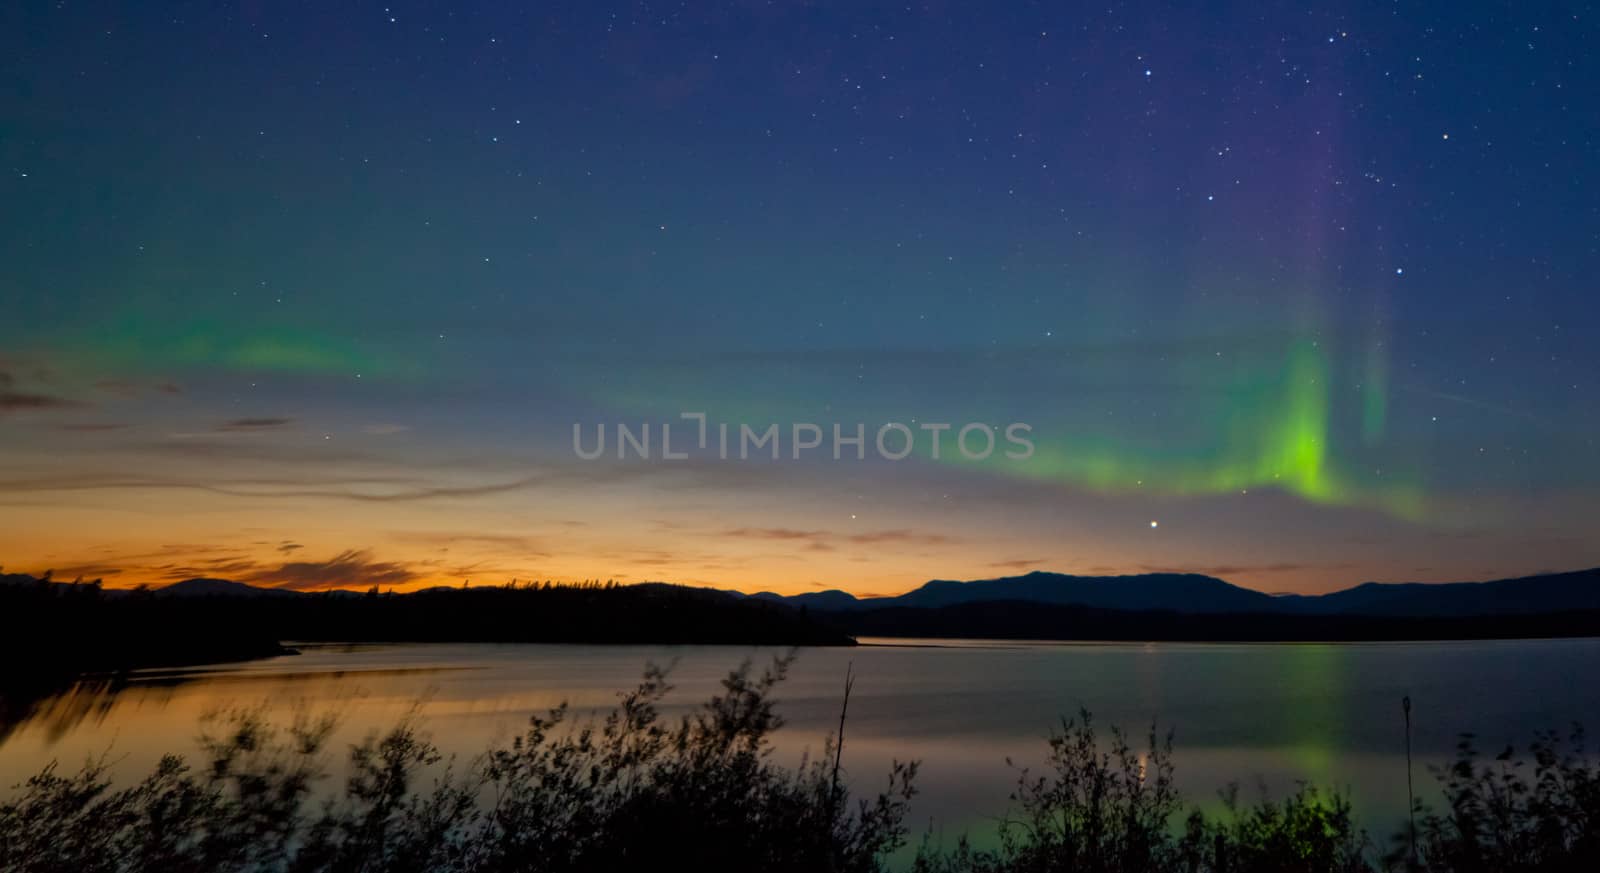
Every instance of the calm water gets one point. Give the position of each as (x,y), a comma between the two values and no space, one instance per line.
(1261,715)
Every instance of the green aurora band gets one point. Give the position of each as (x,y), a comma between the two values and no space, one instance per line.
(1279,436)
(1271,425)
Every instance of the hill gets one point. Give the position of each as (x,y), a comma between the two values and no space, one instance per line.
(1196,594)
(1524,595)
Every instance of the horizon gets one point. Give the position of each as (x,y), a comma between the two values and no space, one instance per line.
(361,588)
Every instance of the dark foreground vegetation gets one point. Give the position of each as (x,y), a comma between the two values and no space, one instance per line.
(56,629)
(635,791)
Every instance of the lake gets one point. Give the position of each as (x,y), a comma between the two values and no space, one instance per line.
(1261,715)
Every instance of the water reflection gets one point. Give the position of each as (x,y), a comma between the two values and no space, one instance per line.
(1267,715)
(56,709)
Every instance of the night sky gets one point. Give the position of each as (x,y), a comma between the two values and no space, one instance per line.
(314,294)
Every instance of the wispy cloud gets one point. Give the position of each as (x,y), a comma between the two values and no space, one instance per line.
(238,425)
(1017,563)
(133,388)
(823,540)
(1222,571)
(349,569)
(902,536)
(94,426)
(775,533)
(370,489)
(525,546)
(85,571)
(14,398)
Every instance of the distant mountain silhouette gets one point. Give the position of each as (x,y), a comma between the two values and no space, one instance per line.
(1182,592)
(1555,592)
(220,588)
(1185,592)
(1203,595)
(830,599)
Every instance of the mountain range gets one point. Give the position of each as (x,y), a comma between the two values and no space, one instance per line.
(1207,595)
(1185,593)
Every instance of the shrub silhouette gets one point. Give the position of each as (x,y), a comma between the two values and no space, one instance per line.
(1514,814)
(1113,809)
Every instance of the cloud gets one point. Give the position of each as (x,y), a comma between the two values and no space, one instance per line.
(1017,563)
(132,388)
(351,568)
(372,489)
(1225,570)
(85,571)
(776,533)
(94,426)
(253,424)
(13,398)
(168,562)
(526,546)
(122,387)
(226,445)
(825,541)
(212,567)
(909,537)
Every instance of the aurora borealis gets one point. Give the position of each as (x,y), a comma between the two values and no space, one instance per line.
(308,296)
